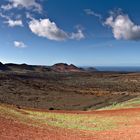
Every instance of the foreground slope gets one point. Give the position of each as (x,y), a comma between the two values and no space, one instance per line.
(32,124)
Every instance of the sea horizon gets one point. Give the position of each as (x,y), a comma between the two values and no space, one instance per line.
(118,68)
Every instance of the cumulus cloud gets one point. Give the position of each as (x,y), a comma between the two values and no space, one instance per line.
(19,44)
(92,13)
(11,22)
(22,4)
(46,28)
(78,36)
(123,27)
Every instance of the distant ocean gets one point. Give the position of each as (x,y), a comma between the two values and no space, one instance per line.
(119,68)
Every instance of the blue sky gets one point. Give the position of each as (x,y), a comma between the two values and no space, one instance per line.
(81,32)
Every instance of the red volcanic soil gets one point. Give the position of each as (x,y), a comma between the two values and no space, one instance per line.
(132,133)
(14,130)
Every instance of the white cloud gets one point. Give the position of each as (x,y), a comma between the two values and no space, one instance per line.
(19,44)
(46,28)
(78,36)
(29,16)
(92,13)
(123,27)
(11,22)
(7,7)
(23,4)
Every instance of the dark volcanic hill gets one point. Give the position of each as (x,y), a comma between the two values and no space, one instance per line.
(63,67)
(19,66)
(3,67)
(26,68)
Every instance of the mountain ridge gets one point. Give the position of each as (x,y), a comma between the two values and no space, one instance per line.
(58,67)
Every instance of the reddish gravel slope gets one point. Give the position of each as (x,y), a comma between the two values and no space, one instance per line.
(13,130)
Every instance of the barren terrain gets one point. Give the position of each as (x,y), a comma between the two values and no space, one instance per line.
(68,91)
(69,105)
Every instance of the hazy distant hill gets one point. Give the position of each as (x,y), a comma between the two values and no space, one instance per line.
(90,69)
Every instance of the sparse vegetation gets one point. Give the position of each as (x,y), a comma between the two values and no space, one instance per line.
(90,122)
(68,91)
(62,120)
(132,103)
